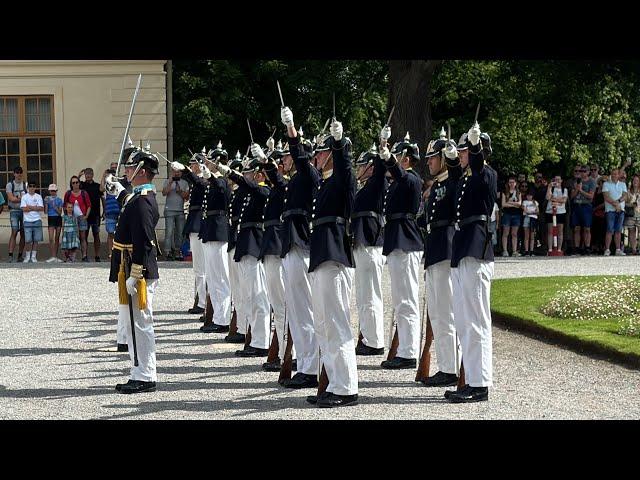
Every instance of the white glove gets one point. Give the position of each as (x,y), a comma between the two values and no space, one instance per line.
(474,134)
(223,169)
(385,133)
(451,150)
(112,186)
(385,154)
(257,152)
(286,115)
(177,166)
(206,173)
(131,285)
(271,143)
(336,130)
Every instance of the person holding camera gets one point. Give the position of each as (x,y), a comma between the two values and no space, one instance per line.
(556,197)
(582,211)
(177,191)
(111,208)
(94,190)
(614,195)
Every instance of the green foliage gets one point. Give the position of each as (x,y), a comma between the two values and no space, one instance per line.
(547,115)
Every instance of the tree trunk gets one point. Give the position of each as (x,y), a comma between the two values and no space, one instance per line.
(410,93)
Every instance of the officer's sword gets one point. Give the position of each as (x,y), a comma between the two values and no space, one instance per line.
(126,130)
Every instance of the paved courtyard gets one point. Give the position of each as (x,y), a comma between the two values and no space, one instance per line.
(57,359)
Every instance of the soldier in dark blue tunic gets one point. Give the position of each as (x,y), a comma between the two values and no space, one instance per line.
(135,250)
(253,303)
(192,230)
(403,246)
(472,265)
(235,206)
(367,225)
(295,235)
(271,248)
(438,221)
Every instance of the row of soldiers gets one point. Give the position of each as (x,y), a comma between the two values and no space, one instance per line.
(289,229)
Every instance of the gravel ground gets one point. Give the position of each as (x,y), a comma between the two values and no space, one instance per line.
(58,360)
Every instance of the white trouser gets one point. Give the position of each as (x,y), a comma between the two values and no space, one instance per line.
(368,283)
(197,262)
(440,308)
(254,303)
(145,337)
(297,293)
(472,315)
(331,283)
(234,282)
(404,268)
(217,275)
(123,318)
(274,273)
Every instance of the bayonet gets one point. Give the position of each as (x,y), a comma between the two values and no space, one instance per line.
(280,92)
(390,115)
(477,112)
(250,134)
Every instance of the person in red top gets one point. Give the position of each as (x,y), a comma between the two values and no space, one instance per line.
(81,210)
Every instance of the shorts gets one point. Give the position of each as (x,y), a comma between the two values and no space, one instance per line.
(33,231)
(560,218)
(54,221)
(16,217)
(530,222)
(95,225)
(614,221)
(83,226)
(510,220)
(632,222)
(110,224)
(581,215)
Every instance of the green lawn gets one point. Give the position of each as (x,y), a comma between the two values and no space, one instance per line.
(518,301)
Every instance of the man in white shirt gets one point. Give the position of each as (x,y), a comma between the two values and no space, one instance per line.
(32,204)
(614,193)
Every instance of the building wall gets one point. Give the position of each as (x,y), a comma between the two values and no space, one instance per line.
(91,105)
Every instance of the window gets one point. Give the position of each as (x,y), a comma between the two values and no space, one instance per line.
(27,139)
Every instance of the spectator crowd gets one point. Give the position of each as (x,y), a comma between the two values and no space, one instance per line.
(595,215)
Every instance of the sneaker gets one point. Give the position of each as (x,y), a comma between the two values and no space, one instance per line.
(10,259)
(34,260)
(620,253)
(505,254)
(26,259)
(85,259)
(51,260)
(607,252)
(20,258)
(97,259)
(516,254)
(58,260)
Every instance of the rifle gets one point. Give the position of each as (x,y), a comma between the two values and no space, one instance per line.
(208,311)
(393,348)
(195,299)
(287,361)
(247,337)
(274,347)
(233,326)
(323,380)
(127,272)
(425,360)
(461,379)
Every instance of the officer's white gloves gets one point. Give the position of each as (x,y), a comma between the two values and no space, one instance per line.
(223,169)
(385,154)
(131,285)
(336,130)
(177,166)
(474,134)
(257,152)
(286,116)
(206,173)
(112,185)
(451,150)
(385,133)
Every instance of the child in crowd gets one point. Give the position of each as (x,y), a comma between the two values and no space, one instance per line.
(53,210)
(32,204)
(531,209)
(70,238)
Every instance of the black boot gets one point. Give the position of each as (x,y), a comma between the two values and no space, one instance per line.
(441,379)
(138,386)
(123,347)
(272,366)
(235,338)
(302,380)
(332,400)
(363,349)
(470,394)
(252,352)
(214,328)
(196,310)
(399,362)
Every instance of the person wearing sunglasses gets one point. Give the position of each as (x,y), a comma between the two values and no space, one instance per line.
(81,209)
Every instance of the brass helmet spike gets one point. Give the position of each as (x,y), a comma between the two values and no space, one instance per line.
(407,138)
(443,134)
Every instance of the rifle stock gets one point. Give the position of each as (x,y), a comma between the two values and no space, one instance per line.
(208,311)
(272,354)
(393,349)
(425,360)
(247,337)
(323,381)
(233,326)
(461,379)
(195,300)
(287,361)
(360,337)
